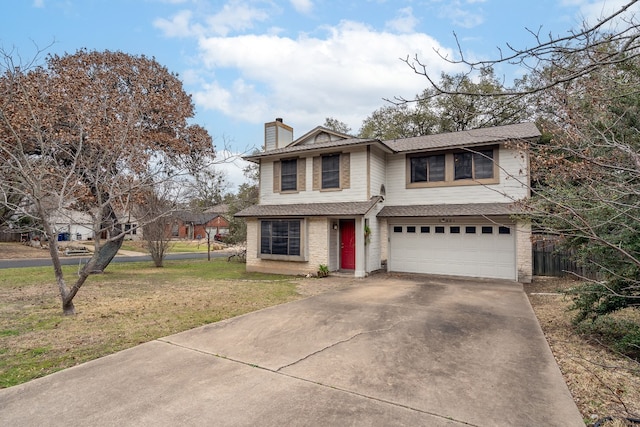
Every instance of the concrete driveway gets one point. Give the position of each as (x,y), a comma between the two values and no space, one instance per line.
(389,351)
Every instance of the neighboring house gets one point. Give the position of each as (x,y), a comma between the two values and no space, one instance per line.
(196,225)
(70,225)
(436,204)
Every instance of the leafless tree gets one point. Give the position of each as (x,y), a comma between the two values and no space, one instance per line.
(91,132)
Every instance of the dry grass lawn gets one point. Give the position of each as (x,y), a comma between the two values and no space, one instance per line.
(603,384)
(116,311)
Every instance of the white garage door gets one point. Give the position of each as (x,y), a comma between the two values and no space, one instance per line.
(473,249)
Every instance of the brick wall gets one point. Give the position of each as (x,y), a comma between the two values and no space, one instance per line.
(524,259)
(316,243)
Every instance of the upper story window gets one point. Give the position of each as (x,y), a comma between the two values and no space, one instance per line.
(427,168)
(289,175)
(473,165)
(331,171)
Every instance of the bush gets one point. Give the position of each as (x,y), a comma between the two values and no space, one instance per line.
(621,335)
(592,300)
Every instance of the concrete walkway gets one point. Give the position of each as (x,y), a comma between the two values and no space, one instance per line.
(387,352)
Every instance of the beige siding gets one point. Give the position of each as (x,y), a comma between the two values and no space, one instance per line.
(376,171)
(357,190)
(512,185)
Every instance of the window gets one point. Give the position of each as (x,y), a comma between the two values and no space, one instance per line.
(397,229)
(478,165)
(427,168)
(425,229)
(438,169)
(280,237)
(454,229)
(130,229)
(504,230)
(487,229)
(470,229)
(411,229)
(331,171)
(289,175)
(439,229)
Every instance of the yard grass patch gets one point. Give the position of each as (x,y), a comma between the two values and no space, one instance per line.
(603,383)
(131,303)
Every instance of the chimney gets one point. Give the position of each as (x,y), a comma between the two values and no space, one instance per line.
(277,135)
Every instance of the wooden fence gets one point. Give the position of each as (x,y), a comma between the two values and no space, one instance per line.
(6,236)
(551,260)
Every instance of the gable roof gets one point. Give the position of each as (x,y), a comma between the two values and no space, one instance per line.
(306,138)
(310,209)
(481,136)
(293,149)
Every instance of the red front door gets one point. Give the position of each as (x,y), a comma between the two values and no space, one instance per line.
(348,244)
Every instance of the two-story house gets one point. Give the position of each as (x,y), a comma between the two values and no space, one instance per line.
(436,204)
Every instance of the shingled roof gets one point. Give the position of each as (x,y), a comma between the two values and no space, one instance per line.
(310,209)
(316,146)
(482,136)
(498,134)
(471,209)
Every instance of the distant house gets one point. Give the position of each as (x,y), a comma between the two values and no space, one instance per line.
(195,225)
(435,204)
(69,225)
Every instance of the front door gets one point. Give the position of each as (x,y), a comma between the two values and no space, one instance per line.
(347,244)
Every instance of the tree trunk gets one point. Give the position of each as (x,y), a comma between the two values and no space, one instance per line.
(68,308)
(106,254)
(109,250)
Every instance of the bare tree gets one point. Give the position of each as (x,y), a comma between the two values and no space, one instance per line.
(585,92)
(91,132)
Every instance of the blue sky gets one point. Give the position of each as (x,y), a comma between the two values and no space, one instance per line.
(246,62)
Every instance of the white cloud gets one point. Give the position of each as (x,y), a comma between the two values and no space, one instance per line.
(38,4)
(405,22)
(232,167)
(461,14)
(179,25)
(344,75)
(592,11)
(236,15)
(302,6)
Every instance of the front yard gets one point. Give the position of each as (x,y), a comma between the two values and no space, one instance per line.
(135,303)
(127,305)
(603,383)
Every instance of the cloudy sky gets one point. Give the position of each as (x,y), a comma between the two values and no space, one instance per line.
(246,62)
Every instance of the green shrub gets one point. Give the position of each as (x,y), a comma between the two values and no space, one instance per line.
(620,335)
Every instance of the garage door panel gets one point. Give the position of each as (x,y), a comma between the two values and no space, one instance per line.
(463,254)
